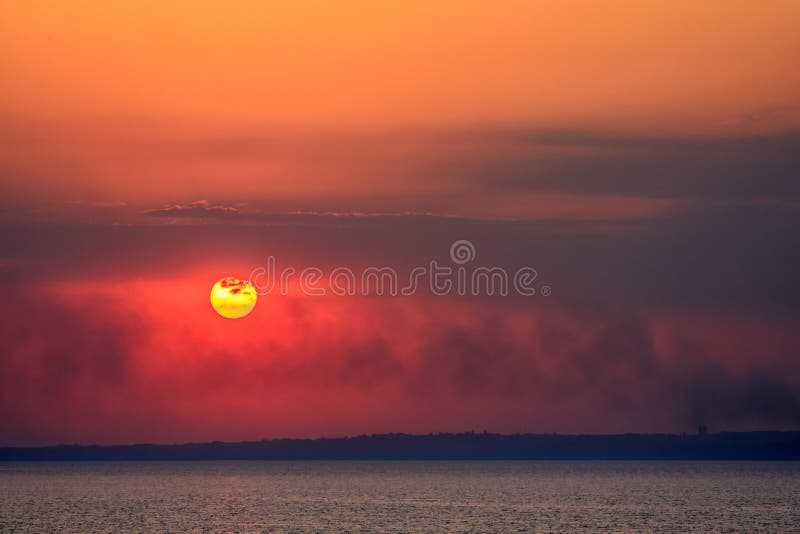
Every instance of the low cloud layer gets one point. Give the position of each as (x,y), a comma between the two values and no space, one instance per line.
(482,172)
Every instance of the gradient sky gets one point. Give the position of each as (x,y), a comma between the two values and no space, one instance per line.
(643,156)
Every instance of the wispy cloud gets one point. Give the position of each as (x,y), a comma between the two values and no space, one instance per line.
(199,209)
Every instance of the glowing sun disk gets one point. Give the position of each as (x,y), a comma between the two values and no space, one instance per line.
(233,298)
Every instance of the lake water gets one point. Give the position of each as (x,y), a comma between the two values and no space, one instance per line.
(400,496)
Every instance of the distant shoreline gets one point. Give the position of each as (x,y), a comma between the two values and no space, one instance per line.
(771,445)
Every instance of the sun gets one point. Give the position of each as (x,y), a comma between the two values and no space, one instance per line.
(233,298)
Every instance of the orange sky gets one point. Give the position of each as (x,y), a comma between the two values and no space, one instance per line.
(369,106)
(646,65)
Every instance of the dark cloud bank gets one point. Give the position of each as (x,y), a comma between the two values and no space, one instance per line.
(586,359)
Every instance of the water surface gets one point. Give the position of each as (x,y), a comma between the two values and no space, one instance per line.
(241,496)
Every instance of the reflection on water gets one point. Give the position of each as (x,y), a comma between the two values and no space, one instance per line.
(400,496)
